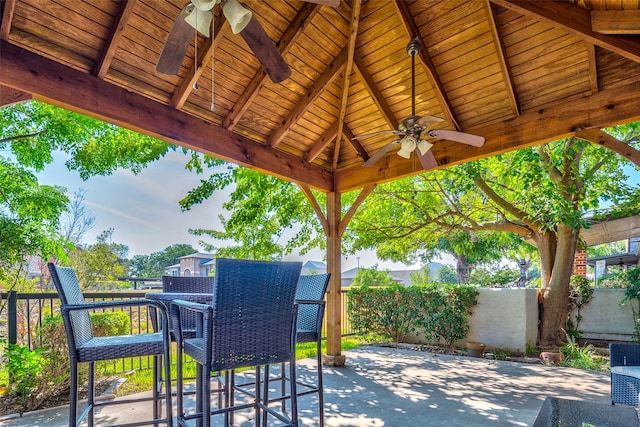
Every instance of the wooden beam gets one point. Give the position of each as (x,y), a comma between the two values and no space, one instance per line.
(362,196)
(502,55)
(334,356)
(7,18)
(307,101)
(355,143)
(600,110)
(438,88)
(289,39)
(115,33)
(575,20)
(625,21)
(348,70)
(593,67)
(319,146)
(220,26)
(375,93)
(316,207)
(9,96)
(599,137)
(68,88)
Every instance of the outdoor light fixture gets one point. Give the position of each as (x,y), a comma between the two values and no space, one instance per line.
(237,15)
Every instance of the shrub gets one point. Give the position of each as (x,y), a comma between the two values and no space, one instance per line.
(580,293)
(632,293)
(394,311)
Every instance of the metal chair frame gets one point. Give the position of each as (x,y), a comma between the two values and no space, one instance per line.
(85,348)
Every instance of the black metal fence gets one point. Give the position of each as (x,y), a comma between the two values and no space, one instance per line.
(21,315)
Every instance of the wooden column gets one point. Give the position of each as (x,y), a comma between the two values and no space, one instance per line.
(333,312)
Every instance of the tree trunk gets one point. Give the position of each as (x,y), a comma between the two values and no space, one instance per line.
(555,295)
(462,269)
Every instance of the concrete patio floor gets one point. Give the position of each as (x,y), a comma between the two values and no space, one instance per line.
(397,388)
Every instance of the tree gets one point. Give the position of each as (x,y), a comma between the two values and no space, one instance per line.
(446,274)
(540,194)
(269,217)
(78,219)
(155,264)
(99,265)
(29,215)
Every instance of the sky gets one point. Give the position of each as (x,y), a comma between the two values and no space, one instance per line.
(144,212)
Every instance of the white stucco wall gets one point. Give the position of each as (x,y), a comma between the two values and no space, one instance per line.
(605,319)
(504,319)
(507,319)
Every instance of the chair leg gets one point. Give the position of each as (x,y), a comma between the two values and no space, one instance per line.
(320,384)
(157,377)
(167,387)
(91,392)
(293,386)
(73,394)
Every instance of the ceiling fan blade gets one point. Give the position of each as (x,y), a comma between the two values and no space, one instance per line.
(427,160)
(266,51)
(381,132)
(426,121)
(332,3)
(177,44)
(380,154)
(452,135)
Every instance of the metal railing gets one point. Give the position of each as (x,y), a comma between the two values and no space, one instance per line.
(22,314)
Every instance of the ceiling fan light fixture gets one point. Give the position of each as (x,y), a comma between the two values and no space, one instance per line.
(407,146)
(424,146)
(237,15)
(200,19)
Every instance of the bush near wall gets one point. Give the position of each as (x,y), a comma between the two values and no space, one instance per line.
(395,311)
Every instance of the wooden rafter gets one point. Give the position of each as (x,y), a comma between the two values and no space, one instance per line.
(374,92)
(289,38)
(9,96)
(602,109)
(593,67)
(577,21)
(63,86)
(307,101)
(7,19)
(115,33)
(413,31)
(625,21)
(599,137)
(220,27)
(349,136)
(319,146)
(500,51)
(348,70)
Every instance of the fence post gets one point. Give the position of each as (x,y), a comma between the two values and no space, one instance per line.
(13,317)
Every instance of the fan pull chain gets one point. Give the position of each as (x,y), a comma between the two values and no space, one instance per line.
(195,56)
(213,37)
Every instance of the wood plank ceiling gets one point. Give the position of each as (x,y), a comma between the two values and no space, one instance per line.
(515,72)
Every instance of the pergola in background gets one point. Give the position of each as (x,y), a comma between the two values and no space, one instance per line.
(518,73)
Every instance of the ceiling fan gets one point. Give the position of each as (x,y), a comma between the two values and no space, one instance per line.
(198,15)
(414,128)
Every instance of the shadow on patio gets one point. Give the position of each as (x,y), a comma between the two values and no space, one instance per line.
(395,387)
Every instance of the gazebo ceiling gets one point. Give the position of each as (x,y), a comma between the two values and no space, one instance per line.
(517,73)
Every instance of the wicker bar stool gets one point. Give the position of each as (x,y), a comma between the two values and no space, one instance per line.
(251,323)
(85,348)
(625,373)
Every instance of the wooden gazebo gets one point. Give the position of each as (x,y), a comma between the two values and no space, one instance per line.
(517,73)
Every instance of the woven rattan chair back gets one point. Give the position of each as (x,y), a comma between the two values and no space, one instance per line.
(66,283)
(312,288)
(253,308)
(188,285)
